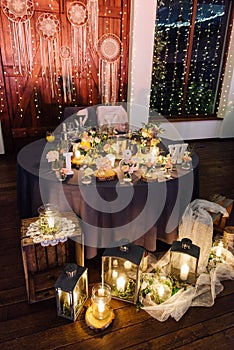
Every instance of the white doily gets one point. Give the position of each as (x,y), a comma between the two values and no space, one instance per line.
(67,230)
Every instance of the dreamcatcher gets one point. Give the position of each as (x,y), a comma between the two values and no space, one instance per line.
(19,13)
(92,6)
(109,50)
(77,15)
(65,55)
(48,29)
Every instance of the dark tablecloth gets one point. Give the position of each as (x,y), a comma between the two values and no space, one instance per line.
(108,212)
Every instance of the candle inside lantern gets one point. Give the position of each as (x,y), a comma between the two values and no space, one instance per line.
(120,284)
(127,265)
(114,274)
(184,271)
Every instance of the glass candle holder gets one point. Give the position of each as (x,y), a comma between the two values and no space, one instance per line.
(49,219)
(101,297)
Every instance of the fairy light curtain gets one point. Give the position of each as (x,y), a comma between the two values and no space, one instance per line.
(189,43)
(92,6)
(77,14)
(19,13)
(109,51)
(48,29)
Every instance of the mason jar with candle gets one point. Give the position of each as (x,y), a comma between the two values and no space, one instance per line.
(100,314)
(121,269)
(184,256)
(49,219)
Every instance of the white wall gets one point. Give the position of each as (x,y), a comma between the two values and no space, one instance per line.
(143,15)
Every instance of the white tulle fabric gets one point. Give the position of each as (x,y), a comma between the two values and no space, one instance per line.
(197,225)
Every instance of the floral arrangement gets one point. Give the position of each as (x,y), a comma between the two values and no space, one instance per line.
(156,288)
(52,156)
(90,139)
(148,135)
(61,174)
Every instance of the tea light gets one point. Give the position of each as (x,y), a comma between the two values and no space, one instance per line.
(184,271)
(120,284)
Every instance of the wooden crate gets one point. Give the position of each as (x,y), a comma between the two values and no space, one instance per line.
(43,265)
(219,220)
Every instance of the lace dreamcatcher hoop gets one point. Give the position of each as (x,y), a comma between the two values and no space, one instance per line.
(65,55)
(19,13)
(48,29)
(109,51)
(77,14)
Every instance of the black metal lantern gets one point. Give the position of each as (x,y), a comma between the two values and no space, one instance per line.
(121,268)
(184,260)
(71,291)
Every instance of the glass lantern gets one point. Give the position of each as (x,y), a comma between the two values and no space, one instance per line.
(49,219)
(184,261)
(71,289)
(121,268)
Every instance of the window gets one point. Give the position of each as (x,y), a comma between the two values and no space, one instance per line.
(189,56)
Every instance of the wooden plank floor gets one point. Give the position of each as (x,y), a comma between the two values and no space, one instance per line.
(36,326)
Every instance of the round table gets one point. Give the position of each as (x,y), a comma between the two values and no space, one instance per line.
(107,211)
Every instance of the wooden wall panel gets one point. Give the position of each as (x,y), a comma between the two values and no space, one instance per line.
(28,105)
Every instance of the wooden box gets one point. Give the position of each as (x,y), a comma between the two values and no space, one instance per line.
(43,265)
(219,220)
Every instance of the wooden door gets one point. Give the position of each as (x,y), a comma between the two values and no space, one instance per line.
(49,60)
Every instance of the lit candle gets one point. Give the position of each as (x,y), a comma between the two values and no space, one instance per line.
(115,263)
(51,222)
(161,291)
(77,154)
(101,307)
(184,271)
(120,284)
(127,265)
(114,274)
(219,249)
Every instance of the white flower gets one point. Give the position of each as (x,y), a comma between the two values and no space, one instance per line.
(52,156)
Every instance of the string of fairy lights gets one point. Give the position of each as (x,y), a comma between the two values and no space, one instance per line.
(167,93)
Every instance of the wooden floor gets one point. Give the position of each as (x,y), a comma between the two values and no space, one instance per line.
(36,326)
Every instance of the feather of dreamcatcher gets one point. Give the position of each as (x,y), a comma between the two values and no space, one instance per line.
(109,50)
(92,6)
(77,15)
(48,29)
(65,55)
(19,13)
